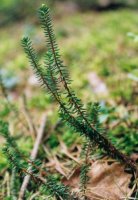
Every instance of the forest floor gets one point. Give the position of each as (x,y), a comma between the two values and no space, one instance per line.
(100,50)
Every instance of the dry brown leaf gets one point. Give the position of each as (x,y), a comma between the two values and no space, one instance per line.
(108,182)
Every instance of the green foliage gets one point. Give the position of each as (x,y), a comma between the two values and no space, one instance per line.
(11,149)
(124,134)
(94,111)
(55,73)
(126,139)
(84,178)
(56,189)
(88,150)
(53,141)
(54,76)
(19,164)
(70,140)
(4,109)
(39,101)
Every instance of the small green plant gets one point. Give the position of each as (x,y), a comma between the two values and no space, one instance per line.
(53,75)
(20,164)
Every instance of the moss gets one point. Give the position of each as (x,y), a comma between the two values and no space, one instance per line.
(40,101)
(70,138)
(25,144)
(3,161)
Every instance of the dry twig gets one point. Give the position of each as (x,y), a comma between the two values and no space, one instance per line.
(33,156)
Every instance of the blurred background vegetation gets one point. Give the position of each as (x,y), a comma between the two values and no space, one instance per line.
(18,9)
(99,44)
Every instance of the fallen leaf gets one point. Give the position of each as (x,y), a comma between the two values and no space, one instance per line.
(108,182)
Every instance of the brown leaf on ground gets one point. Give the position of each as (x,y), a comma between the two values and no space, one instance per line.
(107,182)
